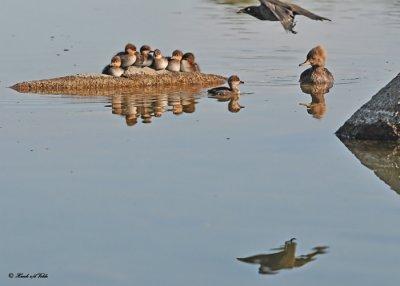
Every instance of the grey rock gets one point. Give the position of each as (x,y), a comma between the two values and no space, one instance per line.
(378,119)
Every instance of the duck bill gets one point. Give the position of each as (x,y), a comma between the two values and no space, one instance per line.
(241,82)
(305,63)
(241,11)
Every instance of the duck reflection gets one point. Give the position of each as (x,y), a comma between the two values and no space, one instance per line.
(147,104)
(285,258)
(317,106)
(232,99)
(383,158)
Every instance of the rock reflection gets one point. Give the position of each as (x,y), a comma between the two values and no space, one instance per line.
(383,158)
(317,106)
(285,258)
(232,99)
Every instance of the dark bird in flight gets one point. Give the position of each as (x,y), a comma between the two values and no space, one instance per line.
(279,10)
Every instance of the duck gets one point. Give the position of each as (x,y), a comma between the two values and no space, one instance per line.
(317,73)
(224,91)
(114,68)
(188,63)
(282,11)
(174,62)
(159,61)
(146,56)
(128,57)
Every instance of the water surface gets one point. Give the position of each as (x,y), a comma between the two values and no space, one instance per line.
(92,200)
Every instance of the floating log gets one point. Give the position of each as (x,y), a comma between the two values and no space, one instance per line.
(380,157)
(133,80)
(378,119)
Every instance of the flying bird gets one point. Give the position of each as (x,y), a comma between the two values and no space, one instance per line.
(278,10)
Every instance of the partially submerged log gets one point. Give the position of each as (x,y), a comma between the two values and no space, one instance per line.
(378,119)
(133,80)
(383,158)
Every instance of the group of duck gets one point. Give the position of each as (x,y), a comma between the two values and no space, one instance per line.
(147,57)
(269,10)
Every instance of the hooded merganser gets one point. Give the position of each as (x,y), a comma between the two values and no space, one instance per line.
(233,82)
(146,57)
(317,74)
(174,63)
(279,10)
(188,63)
(114,68)
(159,62)
(128,57)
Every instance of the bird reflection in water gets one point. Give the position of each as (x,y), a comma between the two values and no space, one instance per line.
(143,107)
(285,258)
(147,104)
(232,99)
(317,106)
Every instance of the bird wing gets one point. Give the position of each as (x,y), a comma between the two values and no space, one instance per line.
(297,10)
(282,12)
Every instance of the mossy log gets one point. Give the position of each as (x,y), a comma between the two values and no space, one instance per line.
(378,119)
(99,84)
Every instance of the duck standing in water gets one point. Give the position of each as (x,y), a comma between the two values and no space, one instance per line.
(279,10)
(188,63)
(174,63)
(159,62)
(114,68)
(128,57)
(317,74)
(233,82)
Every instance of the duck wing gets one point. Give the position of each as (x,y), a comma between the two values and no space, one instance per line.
(296,9)
(282,12)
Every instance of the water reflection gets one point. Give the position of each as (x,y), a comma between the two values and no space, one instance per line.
(285,258)
(317,106)
(232,99)
(383,158)
(146,105)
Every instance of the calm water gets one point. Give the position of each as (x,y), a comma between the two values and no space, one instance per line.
(94,196)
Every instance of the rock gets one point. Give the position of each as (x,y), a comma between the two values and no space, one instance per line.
(378,119)
(383,158)
(133,80)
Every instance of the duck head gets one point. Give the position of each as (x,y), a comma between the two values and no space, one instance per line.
(316,57)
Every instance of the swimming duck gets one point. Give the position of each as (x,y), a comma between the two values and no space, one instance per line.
(188,63)
(233,82)
(114,68)
(146,57)
(159,62)
(279,10)
(317,74)
(174,63)
(128,57)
